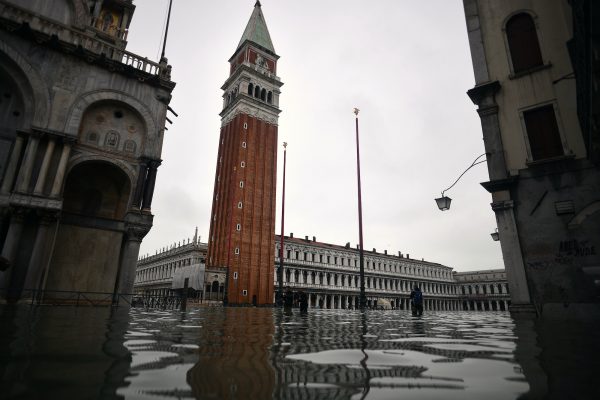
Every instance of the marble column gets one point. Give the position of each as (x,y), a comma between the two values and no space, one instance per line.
(512,254)
(149,186)
(39,260)
(41,180)
(60,170)
(11,169)
(139,187)
(24,177)
(9,251)
(129,254)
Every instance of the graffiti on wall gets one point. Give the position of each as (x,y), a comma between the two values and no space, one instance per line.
(576,248)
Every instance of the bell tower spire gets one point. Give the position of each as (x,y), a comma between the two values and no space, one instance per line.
(242,226)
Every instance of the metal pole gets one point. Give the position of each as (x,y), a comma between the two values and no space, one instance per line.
(166,30)
(279,300)
(363,298)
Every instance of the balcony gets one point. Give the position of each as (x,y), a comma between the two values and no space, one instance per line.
(73,40)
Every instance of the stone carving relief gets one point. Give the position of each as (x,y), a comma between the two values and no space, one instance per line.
(113,127)
(112,139)
(92,137)
(261,62)
(129,146)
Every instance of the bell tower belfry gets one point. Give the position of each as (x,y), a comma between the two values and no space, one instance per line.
(242,226)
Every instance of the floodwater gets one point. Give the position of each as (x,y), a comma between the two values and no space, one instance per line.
(261,353)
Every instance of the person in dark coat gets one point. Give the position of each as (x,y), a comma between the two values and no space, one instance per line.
(288,298)
(303,301)
(416,301)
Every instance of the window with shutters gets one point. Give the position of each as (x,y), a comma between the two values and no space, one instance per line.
(543,134)
(523,43)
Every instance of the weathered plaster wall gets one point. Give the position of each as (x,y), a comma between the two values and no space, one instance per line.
(86,260)
(519,92)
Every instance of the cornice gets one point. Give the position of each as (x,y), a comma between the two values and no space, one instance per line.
(484,94)
(258,111)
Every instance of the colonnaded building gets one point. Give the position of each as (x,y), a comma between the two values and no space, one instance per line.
(82,123)
(328,274)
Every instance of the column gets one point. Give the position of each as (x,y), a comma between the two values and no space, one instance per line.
(11,169)
(24,177)
(129,254)
(511,252)
(9,251)
(41,180)
(38,260)
(139,187)
(149,186)
(60,170)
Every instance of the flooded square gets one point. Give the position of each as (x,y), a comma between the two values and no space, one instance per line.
(265,353)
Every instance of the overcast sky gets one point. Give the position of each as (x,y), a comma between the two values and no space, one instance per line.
(405,64)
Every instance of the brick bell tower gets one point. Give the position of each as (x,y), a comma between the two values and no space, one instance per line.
(242,226)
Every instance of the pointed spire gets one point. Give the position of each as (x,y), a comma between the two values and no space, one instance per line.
(196,236)
(256,31)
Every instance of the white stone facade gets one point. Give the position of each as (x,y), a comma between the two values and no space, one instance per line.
(329,275)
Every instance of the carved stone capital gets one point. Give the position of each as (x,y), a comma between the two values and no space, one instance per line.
(153,164)
(483,95)
(502,205)
(136,233)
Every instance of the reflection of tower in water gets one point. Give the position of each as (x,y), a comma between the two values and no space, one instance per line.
(234,355)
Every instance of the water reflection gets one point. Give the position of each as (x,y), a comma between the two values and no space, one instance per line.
(250,353)
(233,359)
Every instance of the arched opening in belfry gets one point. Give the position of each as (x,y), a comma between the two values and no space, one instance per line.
(89,239)
(270,97)
(263,94)
(257,91)
(250,89)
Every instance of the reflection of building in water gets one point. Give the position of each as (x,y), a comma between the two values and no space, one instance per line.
(164,273)
(329,275)
(234,357)
(483,290)
(82,124)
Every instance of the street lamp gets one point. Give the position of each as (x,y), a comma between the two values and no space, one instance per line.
(443,202)
(363,298)
(495,235)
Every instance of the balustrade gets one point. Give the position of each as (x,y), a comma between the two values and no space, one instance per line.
(86,39)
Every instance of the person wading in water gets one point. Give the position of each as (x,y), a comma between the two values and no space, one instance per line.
(416,301)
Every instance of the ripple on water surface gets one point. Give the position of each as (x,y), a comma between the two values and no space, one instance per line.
(261,353)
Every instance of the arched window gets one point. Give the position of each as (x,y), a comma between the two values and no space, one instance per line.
(263,94)
(257,91)
(250,89)
(523,43)
(270,97)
